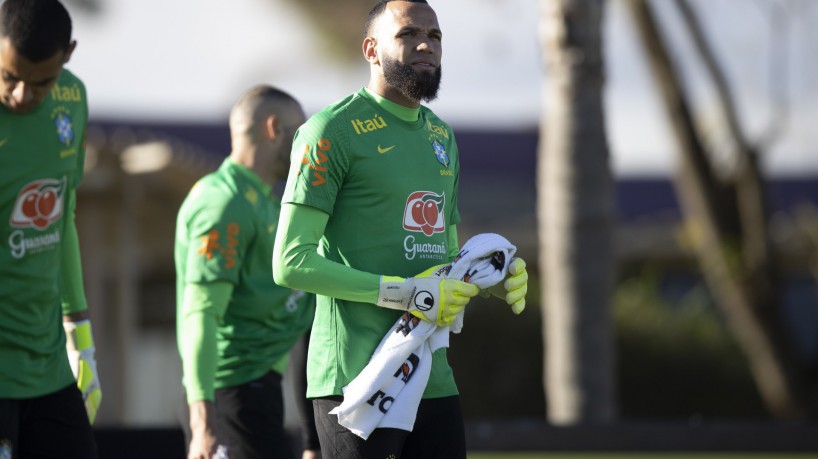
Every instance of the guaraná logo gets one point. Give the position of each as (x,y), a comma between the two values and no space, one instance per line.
(424,213)
(39,204)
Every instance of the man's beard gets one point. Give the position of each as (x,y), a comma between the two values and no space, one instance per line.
(413,85)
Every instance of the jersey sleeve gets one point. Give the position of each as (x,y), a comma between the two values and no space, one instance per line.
(202,309)
(454,218)
(71,282)
(219,231)
(81,127)
(71,286)
(453,243)
(319,161)
(298,265)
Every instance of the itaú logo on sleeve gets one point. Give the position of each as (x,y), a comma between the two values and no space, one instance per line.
(424,213)
(39,204)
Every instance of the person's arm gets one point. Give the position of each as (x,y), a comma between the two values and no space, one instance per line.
(297,264)
(79,340)
(203,306)
(74,304)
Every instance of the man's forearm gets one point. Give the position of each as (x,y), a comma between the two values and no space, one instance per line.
(73,292)
(202,416)
(202,306)
(297,264)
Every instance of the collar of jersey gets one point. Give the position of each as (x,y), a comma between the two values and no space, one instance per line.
(404,113)
(251,176)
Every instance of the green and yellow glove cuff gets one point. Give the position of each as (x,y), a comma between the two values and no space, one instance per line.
(79,344)
(427,296)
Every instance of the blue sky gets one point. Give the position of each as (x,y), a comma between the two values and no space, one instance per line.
(162,60)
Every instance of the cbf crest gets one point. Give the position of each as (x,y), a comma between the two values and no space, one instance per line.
(440,153)
(64,125)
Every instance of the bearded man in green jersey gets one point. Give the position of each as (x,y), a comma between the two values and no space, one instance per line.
(370,202)
(43,118)
(235,327)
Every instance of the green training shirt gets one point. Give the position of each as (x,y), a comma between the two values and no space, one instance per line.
(41,160)
(388,177)
(224,233)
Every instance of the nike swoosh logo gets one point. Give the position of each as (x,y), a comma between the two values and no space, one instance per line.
(384,150)
(3,142)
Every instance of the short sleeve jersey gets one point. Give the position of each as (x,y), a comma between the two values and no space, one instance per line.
(41,161)
(390,189)
(225,232)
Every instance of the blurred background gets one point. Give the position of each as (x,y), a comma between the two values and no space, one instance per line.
(700,303)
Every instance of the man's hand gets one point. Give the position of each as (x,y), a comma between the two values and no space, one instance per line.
(203,441)
(427,296)
(79,343)
(513,289)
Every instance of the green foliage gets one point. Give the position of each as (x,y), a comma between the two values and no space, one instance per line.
(497,359)
(676,359)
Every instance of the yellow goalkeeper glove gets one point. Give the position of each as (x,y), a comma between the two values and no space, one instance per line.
(79,343)
(513,289)
(427,296)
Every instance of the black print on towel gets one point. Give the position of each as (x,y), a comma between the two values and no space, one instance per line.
(405,373)
(407,323)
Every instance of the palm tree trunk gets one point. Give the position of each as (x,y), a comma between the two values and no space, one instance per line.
(575,215)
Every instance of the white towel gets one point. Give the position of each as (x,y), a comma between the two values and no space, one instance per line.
(482,261)
(388,390)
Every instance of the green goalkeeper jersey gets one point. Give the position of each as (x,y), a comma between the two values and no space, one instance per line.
(388,178)
(225,232)
(41,161)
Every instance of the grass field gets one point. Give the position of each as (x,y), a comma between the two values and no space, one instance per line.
(690,455)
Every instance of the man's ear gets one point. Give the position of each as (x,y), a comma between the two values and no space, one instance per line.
(370,50)
(270,127)
(69,51)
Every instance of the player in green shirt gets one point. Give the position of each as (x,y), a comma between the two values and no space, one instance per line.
(370,201)
(235,327)
(43,119)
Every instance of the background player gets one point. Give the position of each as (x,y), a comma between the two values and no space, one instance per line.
(235,327)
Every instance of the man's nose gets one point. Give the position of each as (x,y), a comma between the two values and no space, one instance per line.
(22,93)
(428,45)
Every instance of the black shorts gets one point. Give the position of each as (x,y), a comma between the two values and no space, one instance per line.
(438,433)
(250,420)
(52,426)
(298,372)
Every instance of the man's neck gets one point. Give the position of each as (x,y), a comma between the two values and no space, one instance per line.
(391,94)
(246,157)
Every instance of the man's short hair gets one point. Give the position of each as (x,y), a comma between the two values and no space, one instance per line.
(256,104)
(377,10)
(37,29)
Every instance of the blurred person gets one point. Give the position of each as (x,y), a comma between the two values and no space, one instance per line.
(235,327)
(49,388)
(370,201)
(306,416)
